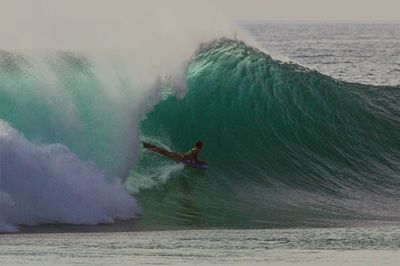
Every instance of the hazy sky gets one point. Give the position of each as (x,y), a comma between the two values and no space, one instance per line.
(313,9)
(236,9)
(112,23)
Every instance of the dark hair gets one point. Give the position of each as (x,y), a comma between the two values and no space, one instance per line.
(199,144)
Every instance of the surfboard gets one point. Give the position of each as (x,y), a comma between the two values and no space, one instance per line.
(195,165)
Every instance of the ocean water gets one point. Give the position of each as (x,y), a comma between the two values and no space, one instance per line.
(301,135)
(344,246)
(364,52)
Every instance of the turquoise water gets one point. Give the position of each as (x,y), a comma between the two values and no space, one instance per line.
(287,146)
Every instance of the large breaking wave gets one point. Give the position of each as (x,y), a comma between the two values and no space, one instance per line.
(287,146)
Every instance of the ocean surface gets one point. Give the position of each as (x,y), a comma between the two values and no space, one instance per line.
(345,246)
(300,131)
(363,52)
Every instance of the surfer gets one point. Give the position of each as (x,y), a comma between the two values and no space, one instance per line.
(192,155)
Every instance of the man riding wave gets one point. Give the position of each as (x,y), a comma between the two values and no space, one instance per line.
(192,155)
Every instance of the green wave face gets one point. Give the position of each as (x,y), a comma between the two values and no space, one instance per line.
(287,146)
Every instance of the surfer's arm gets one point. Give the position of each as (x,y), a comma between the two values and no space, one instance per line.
(193,156)
(196,158)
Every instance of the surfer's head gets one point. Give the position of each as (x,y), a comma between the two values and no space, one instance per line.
(199,144)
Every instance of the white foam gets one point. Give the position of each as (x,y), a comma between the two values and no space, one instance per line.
(49,184)
(158,176)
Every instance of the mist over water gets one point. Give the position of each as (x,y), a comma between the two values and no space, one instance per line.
(75,80)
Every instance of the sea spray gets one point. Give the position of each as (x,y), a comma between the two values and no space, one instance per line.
(153,171)
(78,80)
(49,184)
(59,98)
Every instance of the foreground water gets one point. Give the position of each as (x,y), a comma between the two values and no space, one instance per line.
(341,246)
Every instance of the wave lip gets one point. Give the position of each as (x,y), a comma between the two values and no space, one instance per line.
(48,184)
